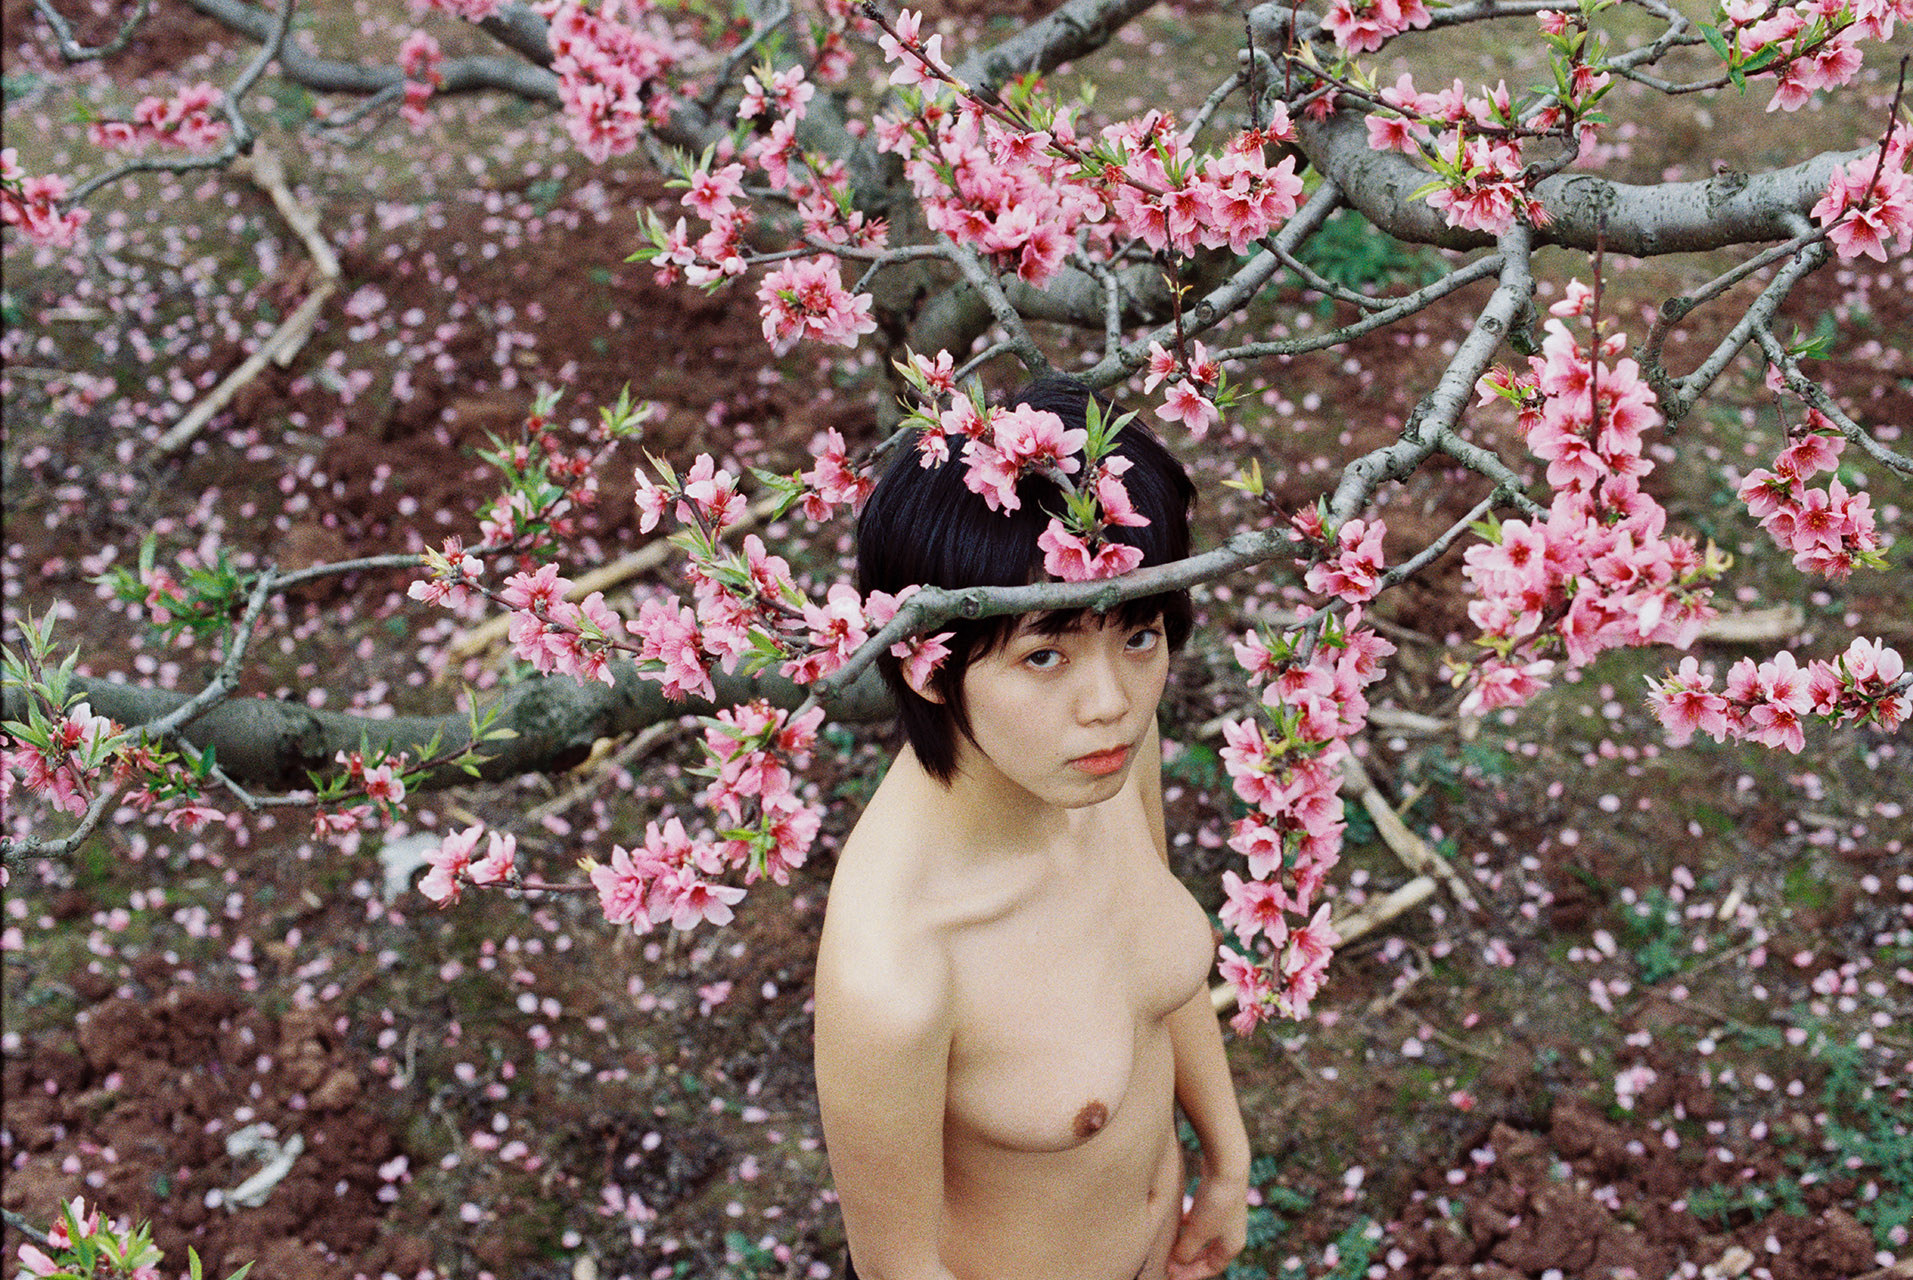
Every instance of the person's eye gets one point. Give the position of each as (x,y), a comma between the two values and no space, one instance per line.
(1043,659)
(1144,640)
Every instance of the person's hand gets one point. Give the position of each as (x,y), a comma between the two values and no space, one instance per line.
(1213,1231)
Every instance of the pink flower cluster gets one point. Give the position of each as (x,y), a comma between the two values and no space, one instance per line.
(665,878)
(1599,571)
(33,204)
(1476,144)
(1869,202)
(76,1224)
(1003,445)
(1187,376)
(612,61)
(1363,26)
(61,768)
(554,634)
(1023,195)
(1487,190)
(1354,570)
(452,573)
(1290,775)
(419,58)
(184,120)
(1769,701)
(806,298)
(456,863)
(755,750)
(1168,197)
(1005,193)
(1828,530)
(1811,47)
(832,481)
(803,298)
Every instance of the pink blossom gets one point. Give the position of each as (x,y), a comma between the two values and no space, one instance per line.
(1252,990)
(1067,556)
(35,1263)
(500,860)
(805,298)
(832,481)
(448,865)
(1186,405)
(191,816)
(668,637)
(1252,906)
(384,786)
(1686,703)
(1113,498)
(1354,572)
(921,656)
(1868,206)
(622,886)
(420,58)
(681,896)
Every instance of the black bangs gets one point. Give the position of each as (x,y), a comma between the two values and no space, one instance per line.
(923,526)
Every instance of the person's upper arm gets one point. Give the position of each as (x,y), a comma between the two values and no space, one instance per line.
(882,1055)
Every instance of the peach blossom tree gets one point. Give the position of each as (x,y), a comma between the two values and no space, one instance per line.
(866,181)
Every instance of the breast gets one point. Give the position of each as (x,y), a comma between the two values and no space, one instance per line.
(1175,945)
(1060,1019)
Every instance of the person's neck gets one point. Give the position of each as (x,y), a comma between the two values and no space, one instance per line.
(993,818)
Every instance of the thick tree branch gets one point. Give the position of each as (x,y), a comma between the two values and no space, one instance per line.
(1078,28)
(333,75)
(1642,221)
(270,745)
(1433,420)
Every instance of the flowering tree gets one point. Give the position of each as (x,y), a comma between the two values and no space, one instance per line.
(962,214)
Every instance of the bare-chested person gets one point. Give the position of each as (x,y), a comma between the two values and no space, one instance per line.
(1011,986)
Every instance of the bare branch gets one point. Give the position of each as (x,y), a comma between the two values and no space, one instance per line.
(333,75)
(239,139)
(1396,309)
(1435,417)
(1079,27)
(1816,395)
(69,45)
(1678,395)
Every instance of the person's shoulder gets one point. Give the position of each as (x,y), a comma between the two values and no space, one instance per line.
(882,955)
(883,972)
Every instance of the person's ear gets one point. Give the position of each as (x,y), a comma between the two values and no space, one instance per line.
(924,687)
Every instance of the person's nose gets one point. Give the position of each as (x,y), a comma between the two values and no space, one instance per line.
(1104,696)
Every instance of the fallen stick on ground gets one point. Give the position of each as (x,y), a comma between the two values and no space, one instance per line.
(1409,847)
(1754,626)
(263,167)
(285,340)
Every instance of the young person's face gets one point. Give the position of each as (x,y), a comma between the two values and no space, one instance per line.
(1062,715)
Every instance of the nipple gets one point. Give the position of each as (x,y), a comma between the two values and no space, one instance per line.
(1092,1117)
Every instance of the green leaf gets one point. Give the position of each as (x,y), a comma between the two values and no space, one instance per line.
(1717,42)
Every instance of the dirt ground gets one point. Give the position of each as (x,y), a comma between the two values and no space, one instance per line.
(1671,1037)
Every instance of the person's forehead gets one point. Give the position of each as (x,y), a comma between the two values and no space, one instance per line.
(1050,624)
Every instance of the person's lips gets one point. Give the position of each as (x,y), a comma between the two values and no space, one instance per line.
(1102,763)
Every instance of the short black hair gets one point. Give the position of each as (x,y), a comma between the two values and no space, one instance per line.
(923,526)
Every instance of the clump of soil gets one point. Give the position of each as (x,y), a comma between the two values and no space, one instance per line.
(159,1081)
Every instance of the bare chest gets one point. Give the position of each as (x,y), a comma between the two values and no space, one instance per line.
(1060,1008)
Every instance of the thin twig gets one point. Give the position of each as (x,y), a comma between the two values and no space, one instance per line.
(73,51)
